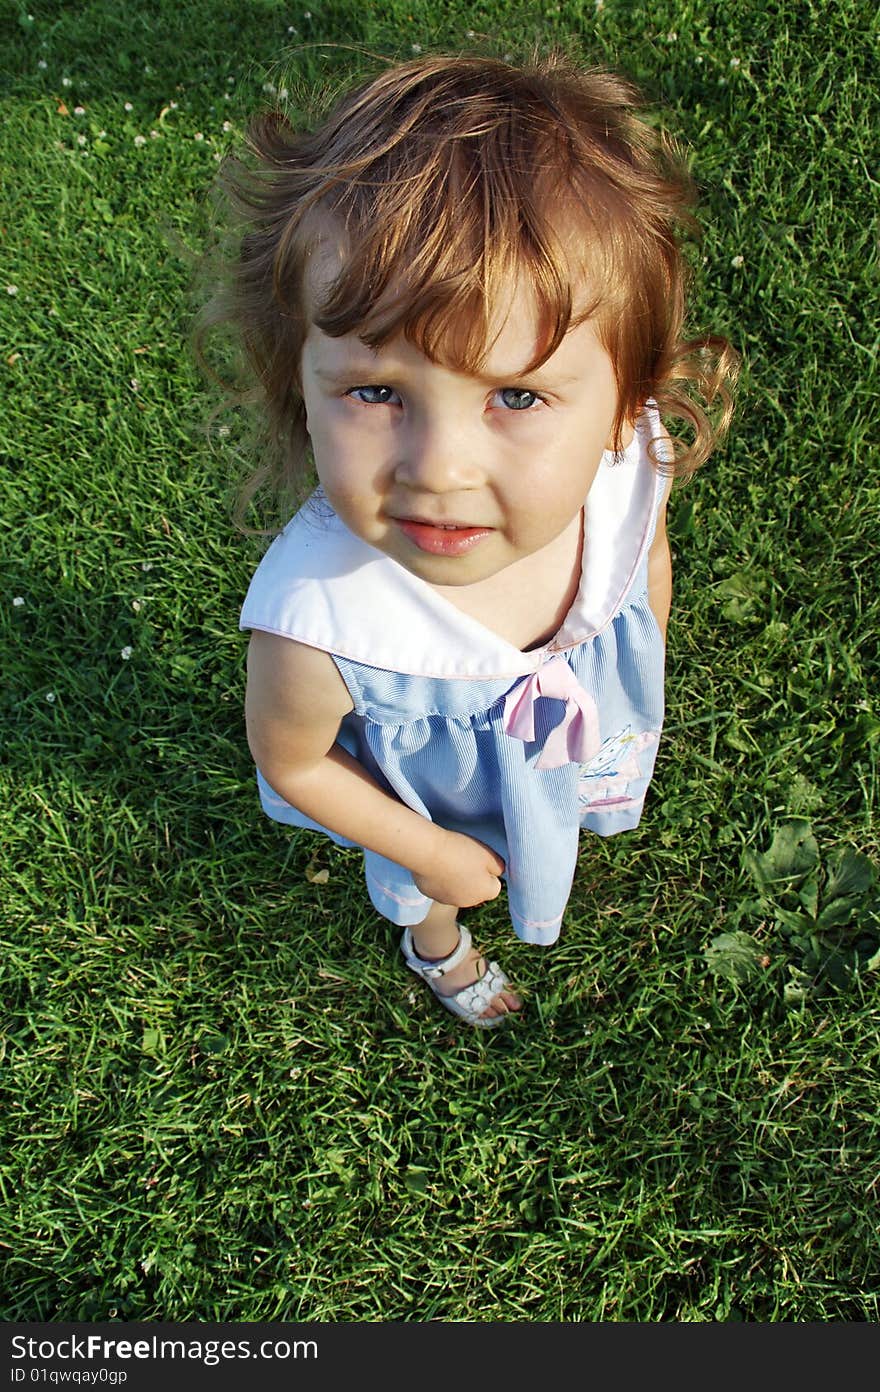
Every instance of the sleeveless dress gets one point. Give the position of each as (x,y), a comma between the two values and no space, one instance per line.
(516,749)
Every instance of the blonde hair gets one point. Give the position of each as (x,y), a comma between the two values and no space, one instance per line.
(449,177)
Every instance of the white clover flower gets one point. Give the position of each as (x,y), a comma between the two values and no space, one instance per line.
(230,81)
(79,111)
(198,136)
(128,107)
(146,565)
(734,62)
(672,36)
(307,14)
(416,48)
(154,135)
(283,94)
(136,605)
(172,106)
(81,140)
(227,96)
(134,384)
(148,71)
(101,134)
(469,34)
(737,261)
(291,29)
(18,601)
(125,653)
(223,430)
(50,696)
(67,82)
(12,289)
(140,140)
(600,4)
(42,63)
(227,125)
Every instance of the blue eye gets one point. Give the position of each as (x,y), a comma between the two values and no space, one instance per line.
(518,398)
(375,396)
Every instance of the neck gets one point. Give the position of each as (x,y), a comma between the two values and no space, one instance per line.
(527,602)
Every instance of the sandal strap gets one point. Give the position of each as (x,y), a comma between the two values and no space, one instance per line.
(471,1001)
(432,970)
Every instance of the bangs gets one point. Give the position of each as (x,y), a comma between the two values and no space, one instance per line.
(437,249)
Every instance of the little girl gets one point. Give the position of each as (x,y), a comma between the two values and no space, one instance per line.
(463,294)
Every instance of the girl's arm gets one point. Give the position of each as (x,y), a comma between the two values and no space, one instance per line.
(660,574)
(660,559)
(296,700)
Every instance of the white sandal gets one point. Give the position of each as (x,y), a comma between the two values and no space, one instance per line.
(470,1001)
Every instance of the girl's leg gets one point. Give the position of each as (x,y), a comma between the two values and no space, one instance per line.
(436,937)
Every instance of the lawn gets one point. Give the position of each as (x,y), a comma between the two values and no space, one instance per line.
(223,1096)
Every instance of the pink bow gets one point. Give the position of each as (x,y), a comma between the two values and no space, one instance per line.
(576,737)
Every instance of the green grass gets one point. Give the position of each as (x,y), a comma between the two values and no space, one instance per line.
(223,1096)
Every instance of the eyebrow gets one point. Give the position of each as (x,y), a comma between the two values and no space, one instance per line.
(357,371)
(347,372)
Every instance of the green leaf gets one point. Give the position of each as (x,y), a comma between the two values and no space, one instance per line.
(873,963)
(808,893)
(850,874)
(754,865)
(738,611)
(734,737)
(746,909)
(734,957)
(835,914)
(745,584)
(792,856)
(335,1161)
(837,968)
(795,922)
(796,991)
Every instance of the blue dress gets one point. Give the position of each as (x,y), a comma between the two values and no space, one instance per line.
(518,749)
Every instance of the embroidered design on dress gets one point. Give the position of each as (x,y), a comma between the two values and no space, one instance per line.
(605,781)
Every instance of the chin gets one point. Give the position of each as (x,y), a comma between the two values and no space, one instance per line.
(451,573)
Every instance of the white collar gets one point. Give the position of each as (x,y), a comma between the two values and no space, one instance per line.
(322,586)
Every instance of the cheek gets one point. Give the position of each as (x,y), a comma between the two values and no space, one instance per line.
(346,469)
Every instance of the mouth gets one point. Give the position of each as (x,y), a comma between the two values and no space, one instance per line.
(441,538)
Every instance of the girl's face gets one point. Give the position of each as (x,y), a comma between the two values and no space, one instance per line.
(458,476)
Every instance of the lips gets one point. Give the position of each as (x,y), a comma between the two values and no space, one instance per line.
(441,538)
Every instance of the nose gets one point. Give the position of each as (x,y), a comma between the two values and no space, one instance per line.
(439,456)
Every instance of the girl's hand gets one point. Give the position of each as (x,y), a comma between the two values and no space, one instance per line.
(463,872)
